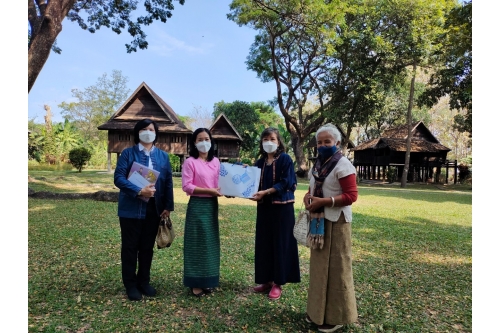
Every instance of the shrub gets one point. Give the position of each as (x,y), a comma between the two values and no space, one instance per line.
(243,160)
(79,157)
(391,174)
(175,162)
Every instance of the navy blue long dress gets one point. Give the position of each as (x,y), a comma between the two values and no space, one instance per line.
(276,249)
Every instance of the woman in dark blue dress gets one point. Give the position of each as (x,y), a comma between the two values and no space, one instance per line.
(276,250)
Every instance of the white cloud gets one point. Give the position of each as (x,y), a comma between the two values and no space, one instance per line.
(166,45)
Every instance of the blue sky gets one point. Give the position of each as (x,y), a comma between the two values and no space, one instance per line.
(195,59)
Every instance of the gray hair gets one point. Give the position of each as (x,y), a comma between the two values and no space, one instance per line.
(332,130)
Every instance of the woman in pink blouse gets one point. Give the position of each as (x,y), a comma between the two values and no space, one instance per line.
(200,178)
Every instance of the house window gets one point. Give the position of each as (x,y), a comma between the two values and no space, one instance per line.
(163,139)
(178,139)
(123,137)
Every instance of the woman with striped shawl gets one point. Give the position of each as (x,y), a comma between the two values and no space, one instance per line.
(331,302)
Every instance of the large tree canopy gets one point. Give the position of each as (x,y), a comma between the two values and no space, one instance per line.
(45,19)
(454,77)
(291,48)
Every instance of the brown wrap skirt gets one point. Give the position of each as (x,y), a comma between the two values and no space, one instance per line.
(331,298)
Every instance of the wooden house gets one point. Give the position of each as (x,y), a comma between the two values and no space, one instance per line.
(227,140)
(427,155)
(173,135)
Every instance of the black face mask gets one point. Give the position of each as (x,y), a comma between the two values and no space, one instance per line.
(325,152)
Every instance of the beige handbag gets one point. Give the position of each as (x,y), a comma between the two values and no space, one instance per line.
(166,234)
(301,227)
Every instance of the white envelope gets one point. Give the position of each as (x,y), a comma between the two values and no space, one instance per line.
(238,181)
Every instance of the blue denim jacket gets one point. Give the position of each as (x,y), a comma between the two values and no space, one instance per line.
(285,180)
(129,205)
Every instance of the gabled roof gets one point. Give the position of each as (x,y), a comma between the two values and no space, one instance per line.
(395,138)
(417,145)
(223,129)
(418,130)
(145,103)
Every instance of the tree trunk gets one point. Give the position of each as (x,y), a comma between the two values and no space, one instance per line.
(409,122)
(300,158)
(44,37)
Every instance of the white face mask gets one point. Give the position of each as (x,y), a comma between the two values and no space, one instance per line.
(147,136)
(269,146)
(203,146)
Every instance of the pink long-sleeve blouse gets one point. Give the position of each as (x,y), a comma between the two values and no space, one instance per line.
(198,173)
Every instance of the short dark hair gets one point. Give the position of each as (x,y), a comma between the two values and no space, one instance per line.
(268,131)
(193,151)
(141,124)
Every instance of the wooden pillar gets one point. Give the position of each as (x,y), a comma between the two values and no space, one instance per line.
(109,162)
(437,174)
(384,172)
(446,179)
(455,176)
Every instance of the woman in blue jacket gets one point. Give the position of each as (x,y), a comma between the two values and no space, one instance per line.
(276,251)
(139,219)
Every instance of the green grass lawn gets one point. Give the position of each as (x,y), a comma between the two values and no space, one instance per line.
(412,261)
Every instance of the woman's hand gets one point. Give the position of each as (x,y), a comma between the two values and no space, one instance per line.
(307,198)
(258,196)
(215,192)
(313,203)
(148,191)
(165,214)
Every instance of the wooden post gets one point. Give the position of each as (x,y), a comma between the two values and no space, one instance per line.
(455,176)
(109,162)
(446,179)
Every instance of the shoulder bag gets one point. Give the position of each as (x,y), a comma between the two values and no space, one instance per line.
(166,234)
(301,227)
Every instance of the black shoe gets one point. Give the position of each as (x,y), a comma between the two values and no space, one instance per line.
(147,290)
(134,294)
(208,290)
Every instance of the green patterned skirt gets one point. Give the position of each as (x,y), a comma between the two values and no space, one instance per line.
(202,243)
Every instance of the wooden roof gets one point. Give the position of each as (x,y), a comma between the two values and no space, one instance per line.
(350,144)
(419,130)
(395,138)
(223,129)
(145,103)
(417,145)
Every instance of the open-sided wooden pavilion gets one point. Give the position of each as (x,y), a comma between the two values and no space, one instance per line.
(427,156)
(227,140)
(173,135)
